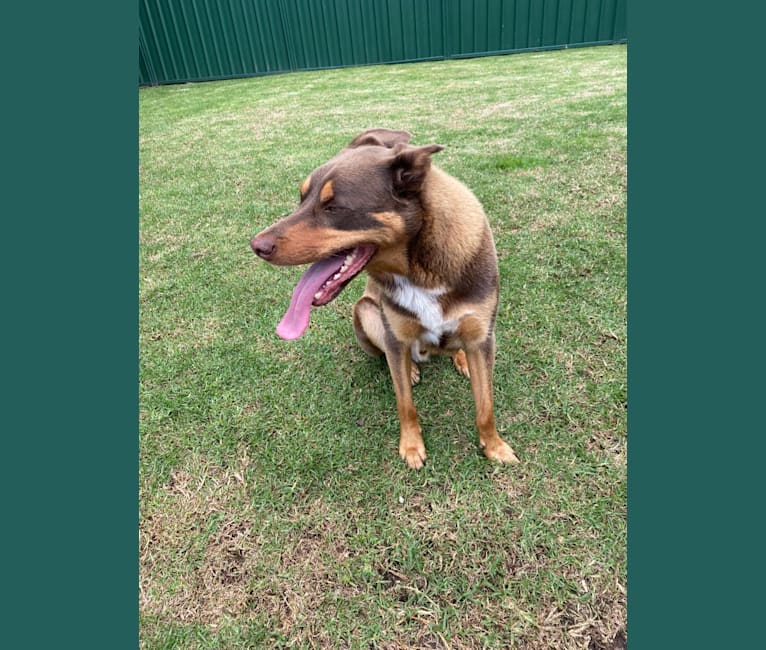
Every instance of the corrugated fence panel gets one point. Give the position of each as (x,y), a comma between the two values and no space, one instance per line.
(199,40)
(477,27)
(339,33)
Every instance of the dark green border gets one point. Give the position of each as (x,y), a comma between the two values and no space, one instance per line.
(695,342)
(70,313)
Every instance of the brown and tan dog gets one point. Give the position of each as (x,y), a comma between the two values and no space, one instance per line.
(432,278)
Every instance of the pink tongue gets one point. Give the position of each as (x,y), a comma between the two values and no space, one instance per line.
(296,318)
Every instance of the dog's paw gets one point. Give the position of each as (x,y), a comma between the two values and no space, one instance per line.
(461,363)
(413,455)
(500,451)
(414,374)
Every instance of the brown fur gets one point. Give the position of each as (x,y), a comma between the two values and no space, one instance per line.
(432,284)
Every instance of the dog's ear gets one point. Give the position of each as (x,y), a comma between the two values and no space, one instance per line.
(380,138)
(410,166)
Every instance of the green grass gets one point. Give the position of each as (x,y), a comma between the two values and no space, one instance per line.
(275,511)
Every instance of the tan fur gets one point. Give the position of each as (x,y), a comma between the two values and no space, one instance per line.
(454,240)
(432,282)
(406,329)
(461,363)
(301,243)
(392,221)
(457,238)
(305,186)
(327,192)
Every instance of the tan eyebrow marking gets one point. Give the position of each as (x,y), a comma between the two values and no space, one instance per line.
(305,185)
(327,192)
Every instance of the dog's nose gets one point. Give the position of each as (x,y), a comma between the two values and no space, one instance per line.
(263,247)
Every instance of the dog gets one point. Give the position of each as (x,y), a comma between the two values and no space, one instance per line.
(422,237)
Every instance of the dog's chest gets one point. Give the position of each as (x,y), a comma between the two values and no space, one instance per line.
(425,307)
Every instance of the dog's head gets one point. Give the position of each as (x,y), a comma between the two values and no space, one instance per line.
(354,210)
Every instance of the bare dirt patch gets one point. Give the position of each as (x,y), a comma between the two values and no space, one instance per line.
(194,554)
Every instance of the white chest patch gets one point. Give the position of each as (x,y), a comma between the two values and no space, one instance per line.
(424,304)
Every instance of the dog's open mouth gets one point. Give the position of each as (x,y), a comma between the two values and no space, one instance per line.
(322,282)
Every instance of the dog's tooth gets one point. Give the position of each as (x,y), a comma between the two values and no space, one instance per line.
(349,258)
(318,295)
(336,276)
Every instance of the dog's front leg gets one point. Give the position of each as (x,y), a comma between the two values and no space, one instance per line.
(481,360)
(411,447)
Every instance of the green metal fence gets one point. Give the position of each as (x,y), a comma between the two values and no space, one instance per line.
(201,40)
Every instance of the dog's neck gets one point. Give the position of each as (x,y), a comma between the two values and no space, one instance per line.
(446,239)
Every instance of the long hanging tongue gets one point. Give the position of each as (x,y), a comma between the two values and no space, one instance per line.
(296,318)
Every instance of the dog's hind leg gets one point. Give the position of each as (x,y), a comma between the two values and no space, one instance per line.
(461,363)
(368,326)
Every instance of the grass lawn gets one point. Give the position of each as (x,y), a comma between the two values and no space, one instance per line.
(275,510)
